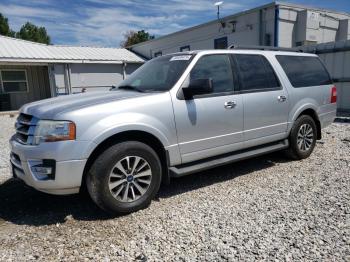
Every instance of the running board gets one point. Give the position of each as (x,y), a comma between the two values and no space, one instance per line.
(197,166)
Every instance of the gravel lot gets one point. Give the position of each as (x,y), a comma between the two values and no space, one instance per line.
(265,208)
(6,130)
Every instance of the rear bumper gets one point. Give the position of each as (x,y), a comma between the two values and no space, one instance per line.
(68,173)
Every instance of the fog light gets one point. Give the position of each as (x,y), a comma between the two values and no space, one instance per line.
(43,169)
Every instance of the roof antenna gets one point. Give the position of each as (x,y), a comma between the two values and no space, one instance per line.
(218,4)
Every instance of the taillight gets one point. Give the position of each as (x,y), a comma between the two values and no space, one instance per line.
(334,94)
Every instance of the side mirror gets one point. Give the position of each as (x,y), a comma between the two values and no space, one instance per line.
(198,87)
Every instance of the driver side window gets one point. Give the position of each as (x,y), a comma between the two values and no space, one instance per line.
(217,68)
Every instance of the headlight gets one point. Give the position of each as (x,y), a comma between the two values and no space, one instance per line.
(52,131)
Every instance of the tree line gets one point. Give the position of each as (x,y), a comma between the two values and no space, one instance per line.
(133,37)
(28,31)
(37,34)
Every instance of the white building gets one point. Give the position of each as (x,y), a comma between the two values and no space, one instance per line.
(31,71)
(276,24)
(336,57)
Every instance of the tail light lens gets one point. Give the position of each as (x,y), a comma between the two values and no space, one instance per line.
(334,94)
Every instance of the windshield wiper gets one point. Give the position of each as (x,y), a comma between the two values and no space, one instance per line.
(130,88)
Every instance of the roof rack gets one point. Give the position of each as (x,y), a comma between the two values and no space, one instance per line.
(258,47)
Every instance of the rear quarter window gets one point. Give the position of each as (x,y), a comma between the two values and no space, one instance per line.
(304,71)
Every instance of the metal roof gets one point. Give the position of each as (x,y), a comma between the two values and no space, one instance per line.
(17,50)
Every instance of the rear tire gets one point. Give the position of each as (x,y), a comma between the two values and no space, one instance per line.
(302,138)
(125,178)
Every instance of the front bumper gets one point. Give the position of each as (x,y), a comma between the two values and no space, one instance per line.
(68,171)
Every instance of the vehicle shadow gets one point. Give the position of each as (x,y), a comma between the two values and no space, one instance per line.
(342,120)
(22,205)
(220,174)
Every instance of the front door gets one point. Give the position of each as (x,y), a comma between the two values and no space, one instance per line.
(211,124)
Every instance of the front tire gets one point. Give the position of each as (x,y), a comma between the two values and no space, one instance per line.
(125,177)
(302,138)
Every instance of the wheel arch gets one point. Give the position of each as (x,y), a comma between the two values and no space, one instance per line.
(312,113)
(132,135)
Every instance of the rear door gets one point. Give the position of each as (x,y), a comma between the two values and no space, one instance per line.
(265,101)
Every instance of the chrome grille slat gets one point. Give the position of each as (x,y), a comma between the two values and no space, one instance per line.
(19,130)
(26,123)
(25,126)
(20,139)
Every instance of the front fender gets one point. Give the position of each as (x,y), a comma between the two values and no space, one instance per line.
(132,122)
(114,124)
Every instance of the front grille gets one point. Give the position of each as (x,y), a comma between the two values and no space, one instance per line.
(25,128)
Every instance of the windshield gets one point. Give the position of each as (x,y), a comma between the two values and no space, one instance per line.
(158,75)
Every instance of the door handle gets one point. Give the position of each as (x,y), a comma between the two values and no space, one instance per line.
(281,98)
(230,104)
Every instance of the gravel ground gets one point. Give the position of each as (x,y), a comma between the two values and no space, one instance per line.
(6,130)
(267,208)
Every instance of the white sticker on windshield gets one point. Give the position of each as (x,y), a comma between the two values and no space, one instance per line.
(180,57)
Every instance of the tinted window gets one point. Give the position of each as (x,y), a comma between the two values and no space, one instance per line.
(256,73)
(304,71)
(216,67)
(158,74)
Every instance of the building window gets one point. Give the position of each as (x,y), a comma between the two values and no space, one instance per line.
(158,54)
(14,81)
(185,48)
(220,43)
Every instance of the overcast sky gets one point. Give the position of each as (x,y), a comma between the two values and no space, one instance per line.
(103,22)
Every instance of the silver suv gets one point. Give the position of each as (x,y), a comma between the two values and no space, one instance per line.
(176,115)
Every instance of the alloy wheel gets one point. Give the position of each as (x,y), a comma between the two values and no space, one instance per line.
(130,178)
(305,137)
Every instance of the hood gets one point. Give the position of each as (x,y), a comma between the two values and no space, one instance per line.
(48,108)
